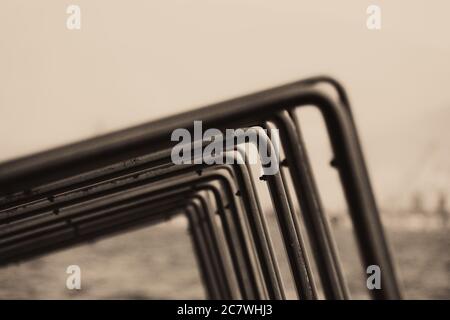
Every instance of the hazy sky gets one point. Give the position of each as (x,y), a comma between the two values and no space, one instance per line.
(134,61)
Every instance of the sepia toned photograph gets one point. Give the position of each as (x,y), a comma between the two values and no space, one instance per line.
(224,150)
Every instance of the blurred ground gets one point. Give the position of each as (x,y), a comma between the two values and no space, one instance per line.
(157,262)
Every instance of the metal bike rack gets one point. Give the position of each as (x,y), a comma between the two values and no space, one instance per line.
(34,189)
(99,205)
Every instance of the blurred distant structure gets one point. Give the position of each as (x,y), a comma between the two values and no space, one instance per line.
(417,205)
(442,210)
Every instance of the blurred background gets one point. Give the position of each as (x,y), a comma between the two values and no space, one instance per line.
(137,61)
